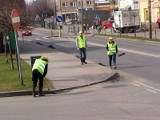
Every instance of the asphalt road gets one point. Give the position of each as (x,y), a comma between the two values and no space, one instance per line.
(129,98)
(120,100)
(141,59)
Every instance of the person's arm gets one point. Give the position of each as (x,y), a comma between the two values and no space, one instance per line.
(77,43)
(86,42)
(107,47)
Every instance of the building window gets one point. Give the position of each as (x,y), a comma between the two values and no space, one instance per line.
(65,4)
(80,3)
(146,17)
(88,2)
(73,4)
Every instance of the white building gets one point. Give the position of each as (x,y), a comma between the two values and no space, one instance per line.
(128,4)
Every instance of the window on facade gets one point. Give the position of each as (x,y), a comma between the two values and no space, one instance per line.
(88,2)
(80,3)
(72,4)
(146,17)
(65,4)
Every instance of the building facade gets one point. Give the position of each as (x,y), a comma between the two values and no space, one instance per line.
(130,4)
(155,10)
(70,9)
(142,5)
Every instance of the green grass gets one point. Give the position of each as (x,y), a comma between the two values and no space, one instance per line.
(9,78)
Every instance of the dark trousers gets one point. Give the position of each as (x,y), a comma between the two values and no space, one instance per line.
(35,76)
(112,58)
(82,52)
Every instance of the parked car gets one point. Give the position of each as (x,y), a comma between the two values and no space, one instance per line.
(107,24)
(26,32)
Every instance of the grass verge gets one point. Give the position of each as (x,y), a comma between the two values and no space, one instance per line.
(9,80)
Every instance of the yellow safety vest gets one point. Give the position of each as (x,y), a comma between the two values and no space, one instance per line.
(82,42)
(39,65)
(111,48)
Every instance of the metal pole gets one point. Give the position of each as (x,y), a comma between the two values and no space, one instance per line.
(18,57)
(150,19)
(82,14)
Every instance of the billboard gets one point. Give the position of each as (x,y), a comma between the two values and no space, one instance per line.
(102,1)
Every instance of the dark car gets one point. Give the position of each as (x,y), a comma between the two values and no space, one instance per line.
(26,32)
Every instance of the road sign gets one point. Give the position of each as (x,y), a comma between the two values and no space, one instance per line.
(59,19)
(96,16)
(15,19)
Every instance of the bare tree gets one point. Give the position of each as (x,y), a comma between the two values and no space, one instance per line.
(5,20)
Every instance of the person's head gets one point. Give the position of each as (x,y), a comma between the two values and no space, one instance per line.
(44,58)
(110,39)
(81,33)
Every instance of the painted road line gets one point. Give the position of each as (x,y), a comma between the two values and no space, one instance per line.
(135,84)
(127,50)
(122,49)
(150,87)
(151,90)
(39,34)
(140,53)
(37,39)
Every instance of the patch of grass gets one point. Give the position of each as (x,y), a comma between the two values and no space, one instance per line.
(9,78)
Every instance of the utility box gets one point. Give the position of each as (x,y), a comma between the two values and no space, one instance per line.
(33,58)
(12,41)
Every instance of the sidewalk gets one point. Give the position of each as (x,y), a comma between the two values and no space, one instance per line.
(65,70)
(144,34)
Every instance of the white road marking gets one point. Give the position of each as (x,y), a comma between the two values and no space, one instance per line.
(122,49)
(127,50)
(38,39)
(151,90)
(135,84)
(38,33)
(150,87)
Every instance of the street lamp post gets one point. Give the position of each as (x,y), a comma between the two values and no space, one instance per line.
(150,19)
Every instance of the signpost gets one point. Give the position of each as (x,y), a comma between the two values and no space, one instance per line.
(59,19)
(16,25)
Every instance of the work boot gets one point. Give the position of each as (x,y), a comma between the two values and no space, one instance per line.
(41,94)
(84,60)
(81,61)
(33,92)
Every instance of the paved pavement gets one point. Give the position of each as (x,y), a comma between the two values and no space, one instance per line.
(139,33)
(65,71)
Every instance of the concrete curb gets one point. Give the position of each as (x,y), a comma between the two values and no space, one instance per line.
(111,76)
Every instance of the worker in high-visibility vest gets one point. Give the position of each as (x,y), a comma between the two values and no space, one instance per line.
(81,44)
(39,71)
(112,49)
